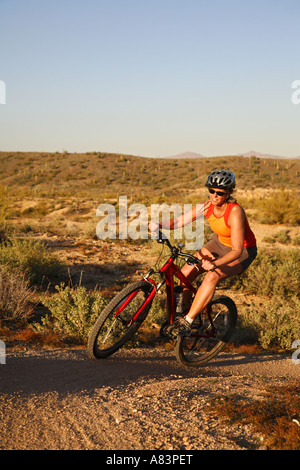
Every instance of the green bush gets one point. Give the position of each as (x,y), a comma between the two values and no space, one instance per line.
(296,240)
(40,210)
(32,257)
(4,205)
(269,239)
(275,323)
(158,312)
(274,277)
(282,237)
(280,208)
(273,272)
(73,312)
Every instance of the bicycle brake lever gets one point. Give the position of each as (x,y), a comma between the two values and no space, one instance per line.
(193,262)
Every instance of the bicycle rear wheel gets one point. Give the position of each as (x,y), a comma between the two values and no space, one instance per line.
(212,330)
(117,323)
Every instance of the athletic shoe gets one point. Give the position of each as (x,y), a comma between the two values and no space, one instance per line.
(181,327)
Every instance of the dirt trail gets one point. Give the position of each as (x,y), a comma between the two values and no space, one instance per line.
(136,399)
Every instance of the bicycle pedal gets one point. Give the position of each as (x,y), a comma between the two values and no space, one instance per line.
(166,330)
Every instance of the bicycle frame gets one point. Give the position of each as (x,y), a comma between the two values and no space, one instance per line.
(169,270)
(167,273)
(125,313)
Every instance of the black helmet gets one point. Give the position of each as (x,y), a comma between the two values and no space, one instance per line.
(221,179)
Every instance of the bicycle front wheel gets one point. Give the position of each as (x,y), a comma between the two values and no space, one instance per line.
(212,330)
(120,319)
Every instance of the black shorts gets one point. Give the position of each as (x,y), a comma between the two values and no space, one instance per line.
(217,249)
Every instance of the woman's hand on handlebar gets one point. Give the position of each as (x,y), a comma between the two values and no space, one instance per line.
(208,265)
(153,227)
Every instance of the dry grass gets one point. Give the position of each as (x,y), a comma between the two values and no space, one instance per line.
(31,258)
(16,296)
(108,175)
(276,417)
(21,336)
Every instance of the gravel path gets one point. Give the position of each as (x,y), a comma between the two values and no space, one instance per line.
(134,400)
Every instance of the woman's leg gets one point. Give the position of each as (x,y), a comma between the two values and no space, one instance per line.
(192,272)
(207,288)
(205,292)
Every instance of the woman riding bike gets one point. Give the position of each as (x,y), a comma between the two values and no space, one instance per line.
(230,251)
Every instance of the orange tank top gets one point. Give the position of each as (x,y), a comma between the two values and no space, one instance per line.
(219,225)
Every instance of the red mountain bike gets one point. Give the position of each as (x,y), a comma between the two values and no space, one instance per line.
(125,313)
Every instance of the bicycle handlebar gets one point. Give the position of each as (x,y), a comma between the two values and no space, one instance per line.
(190,259)
(175,250)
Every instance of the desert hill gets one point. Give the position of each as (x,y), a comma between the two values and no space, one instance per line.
(98,174)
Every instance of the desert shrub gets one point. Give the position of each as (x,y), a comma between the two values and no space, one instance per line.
(273,272)
(296,240)
(6,228)
(280,208)
(4,205)
(269,239)
(39,210)
(282,237)
(73,311)
(158,312)
(15,295)
(275,323)
(31,257)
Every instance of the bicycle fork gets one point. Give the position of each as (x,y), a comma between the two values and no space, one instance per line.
(144,304)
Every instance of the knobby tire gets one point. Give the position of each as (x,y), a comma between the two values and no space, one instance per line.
(202,346)
(111,329)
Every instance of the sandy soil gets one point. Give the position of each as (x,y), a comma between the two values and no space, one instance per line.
(136,399)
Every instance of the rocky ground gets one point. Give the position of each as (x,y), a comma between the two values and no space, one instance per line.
(135,400)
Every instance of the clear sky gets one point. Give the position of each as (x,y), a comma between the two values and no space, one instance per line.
(150,77)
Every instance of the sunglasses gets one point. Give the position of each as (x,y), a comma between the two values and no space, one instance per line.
(219,193)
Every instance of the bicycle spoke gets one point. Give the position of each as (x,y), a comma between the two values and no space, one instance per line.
(120,320)
(209,338)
